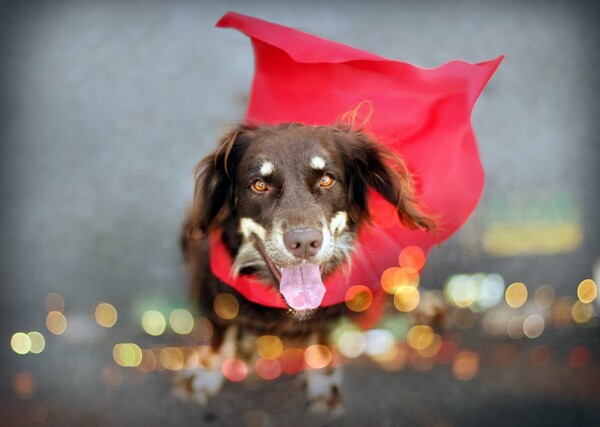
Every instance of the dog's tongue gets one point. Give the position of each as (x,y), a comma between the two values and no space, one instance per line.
(302,287)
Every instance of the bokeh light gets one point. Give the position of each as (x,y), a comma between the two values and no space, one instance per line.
(561,312)
(544,297)
(105,315)
(269,347)
(23,385)
(515,328)
(533,326)
(267,369)
(358,298)
(54,302)
(351,343)
(317,356)
(447,353)
(56,322)
(395,277)
(203,329)
(38,342)
(148,362)
(587,291)
(579,357)
(234,369)
(20,343)
(582,312)
(491,290)
(127,354)
(181,321)
(461,291)
(420,337)
(292,360)
(465,365)
(413,257)
(154,323)
(406,298)
(378,342)
(171,358)
(516,295)
(226,306)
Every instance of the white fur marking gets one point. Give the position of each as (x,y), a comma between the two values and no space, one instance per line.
(317,162)
(338,222)
(267,168)
(249,227)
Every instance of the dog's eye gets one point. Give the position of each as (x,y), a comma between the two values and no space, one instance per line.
(327,181)
(259,186)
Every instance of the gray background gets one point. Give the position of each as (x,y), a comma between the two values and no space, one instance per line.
(105,108)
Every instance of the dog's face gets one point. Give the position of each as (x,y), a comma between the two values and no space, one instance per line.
(290,198)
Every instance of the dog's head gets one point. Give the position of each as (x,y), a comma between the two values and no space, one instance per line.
(290,198)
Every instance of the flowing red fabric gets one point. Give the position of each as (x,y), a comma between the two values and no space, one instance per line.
(422,114)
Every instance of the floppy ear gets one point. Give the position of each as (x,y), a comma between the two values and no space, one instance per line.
(370,164)
(214,177)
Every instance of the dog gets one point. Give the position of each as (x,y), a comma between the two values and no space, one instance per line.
(286,202)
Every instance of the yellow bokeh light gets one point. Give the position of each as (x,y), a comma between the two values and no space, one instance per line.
(433,348)
(56,322)
(105,315)
(127,354)
(465,365)
(317,356)
(172,358)
(359,298)
(20,343)
(226,306)
(394,277)
(516,295)
(587,291)
(38,343)
(582,312)
(181,321)
(269,347)
(407,298)
(54,302)
(412,256)
(154,323)
(420,337)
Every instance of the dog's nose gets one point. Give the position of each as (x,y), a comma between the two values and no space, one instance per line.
(303,243)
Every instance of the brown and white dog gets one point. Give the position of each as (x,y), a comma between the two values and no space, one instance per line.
(287,201)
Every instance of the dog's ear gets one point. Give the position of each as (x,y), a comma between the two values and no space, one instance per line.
(370,164)
(214,181)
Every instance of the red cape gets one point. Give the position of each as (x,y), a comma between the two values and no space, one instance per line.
(422,114)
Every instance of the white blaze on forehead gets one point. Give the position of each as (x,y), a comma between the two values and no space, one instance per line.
(249,227)
(267,168)
(338,222)
(317,162)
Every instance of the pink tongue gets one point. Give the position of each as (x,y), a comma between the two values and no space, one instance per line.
(302,286)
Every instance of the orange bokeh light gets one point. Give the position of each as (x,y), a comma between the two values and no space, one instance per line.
(413,257)
(359,298)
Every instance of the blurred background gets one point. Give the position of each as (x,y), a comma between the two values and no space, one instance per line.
(105,108)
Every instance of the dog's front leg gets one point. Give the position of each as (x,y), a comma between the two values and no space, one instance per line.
(200,384)
(323,389)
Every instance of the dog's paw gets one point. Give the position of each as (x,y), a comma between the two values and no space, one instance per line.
(198,385)
(323,391)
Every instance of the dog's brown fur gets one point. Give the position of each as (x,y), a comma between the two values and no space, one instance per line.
(222,197)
